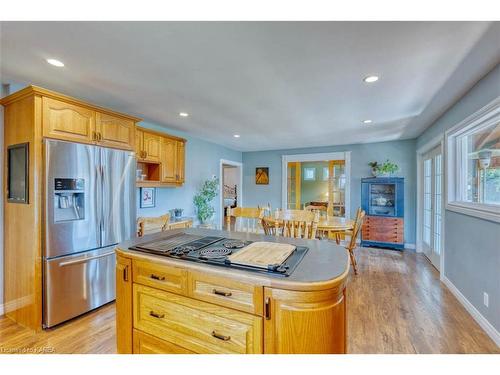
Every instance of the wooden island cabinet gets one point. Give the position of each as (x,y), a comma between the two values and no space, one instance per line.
(166,305)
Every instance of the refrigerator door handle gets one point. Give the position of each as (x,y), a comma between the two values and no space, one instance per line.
(99,199)
(85,260)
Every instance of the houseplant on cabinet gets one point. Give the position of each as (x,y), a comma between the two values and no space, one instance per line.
(204,197)
(385,169)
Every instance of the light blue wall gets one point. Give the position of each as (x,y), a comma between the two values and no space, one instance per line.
(472,245)
(202,162)
(402,152)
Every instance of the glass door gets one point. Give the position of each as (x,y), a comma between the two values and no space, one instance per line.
(320,184)
(432,205)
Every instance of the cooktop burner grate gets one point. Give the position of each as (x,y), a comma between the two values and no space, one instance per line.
(233,244)
(215,253)
(183,249)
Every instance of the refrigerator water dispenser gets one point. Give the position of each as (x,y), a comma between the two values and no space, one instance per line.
(69,199)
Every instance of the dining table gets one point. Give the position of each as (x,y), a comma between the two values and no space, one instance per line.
(331,227)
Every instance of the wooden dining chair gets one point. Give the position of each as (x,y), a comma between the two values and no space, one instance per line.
(268,228)
(296,223)
(148,225)
(247,219)
(351,246)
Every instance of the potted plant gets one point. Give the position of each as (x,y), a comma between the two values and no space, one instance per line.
(385,169)
(204,197)
(374,166)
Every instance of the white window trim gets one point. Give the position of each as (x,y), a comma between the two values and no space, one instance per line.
(344,155)
(484,117)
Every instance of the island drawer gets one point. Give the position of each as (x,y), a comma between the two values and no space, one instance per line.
(226,292)
(197,326)
(160,276)
(147,344)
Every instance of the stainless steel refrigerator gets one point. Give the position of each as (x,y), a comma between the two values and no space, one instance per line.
(90,206)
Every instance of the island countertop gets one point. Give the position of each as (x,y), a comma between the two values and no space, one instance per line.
(324,266)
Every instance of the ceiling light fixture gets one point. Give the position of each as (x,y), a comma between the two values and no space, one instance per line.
(236,136)
(367,121)
(183,114)
(371,79)
(55,62)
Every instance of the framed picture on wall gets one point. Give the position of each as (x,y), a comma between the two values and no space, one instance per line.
(148,197)
(262,175)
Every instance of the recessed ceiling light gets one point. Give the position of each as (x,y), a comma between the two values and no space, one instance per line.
(183,114)
(236,136)
(371,79)
(55,62)
(367,121)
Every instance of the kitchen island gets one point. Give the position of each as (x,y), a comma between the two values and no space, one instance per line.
(171,305)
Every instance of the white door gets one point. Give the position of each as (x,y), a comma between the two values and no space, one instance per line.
(432,205)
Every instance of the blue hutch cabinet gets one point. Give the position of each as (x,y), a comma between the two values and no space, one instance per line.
(382,198)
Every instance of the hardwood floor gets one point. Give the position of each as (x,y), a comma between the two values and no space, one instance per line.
(395,305)
(398,305)
(93,332)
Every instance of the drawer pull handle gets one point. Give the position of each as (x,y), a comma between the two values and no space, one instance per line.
(155,315)
(267,305)
(156,277)
(220,337)
(222,293)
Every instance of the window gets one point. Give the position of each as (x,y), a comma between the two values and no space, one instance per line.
(325,174)
(474,164)
(309,174)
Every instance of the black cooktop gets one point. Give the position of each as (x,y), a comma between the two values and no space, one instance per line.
(215,250)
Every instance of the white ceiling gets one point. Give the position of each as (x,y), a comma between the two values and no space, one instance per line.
(278,84)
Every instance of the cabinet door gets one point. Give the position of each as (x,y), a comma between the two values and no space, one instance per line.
(151,147)
(168,160)
(139,144)
(124,305)
(181,149)
(115,132)
(67,121)
(304,322)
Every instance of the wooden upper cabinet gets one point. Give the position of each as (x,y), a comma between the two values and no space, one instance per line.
(290,314)
(168,159)
(181,164)
(68,122)
(113,131)
(151,147)
(163,152)
(139,137)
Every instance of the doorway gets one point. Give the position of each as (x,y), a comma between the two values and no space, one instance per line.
(317,180)
(431,196)
(231,178)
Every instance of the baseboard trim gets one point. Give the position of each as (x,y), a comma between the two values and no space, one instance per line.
(1,309)
(478,317)
(409,246)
